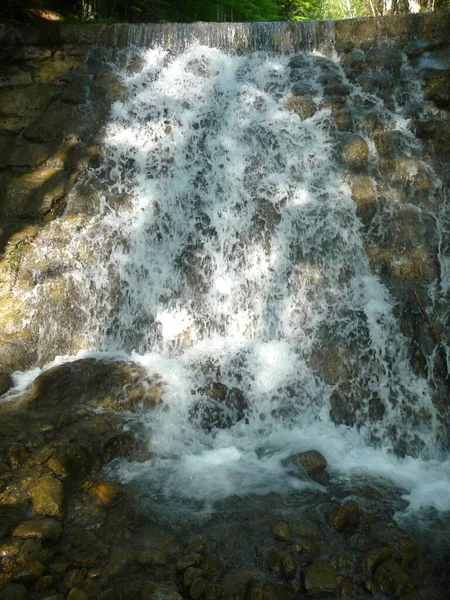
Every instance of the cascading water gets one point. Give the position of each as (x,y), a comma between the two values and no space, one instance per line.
(232,262)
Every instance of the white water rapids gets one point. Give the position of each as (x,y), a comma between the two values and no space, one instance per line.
(236,255)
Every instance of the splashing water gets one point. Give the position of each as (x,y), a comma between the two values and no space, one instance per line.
(238,257)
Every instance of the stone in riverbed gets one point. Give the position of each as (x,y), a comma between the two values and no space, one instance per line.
(374,558)
(155,591)
(150,557)
(77,594)
(43,529)
(5,382)
(303,106)
(346,516)
(313,463)
(212,568)
(48,497)
(282,531)
(197,588)
(320,578)
(390,578)
(15,455)
(14,591)
(351,150)
(30,571)
(107,493)
(189,560)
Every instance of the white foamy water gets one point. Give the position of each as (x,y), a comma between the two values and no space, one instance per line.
(240,259)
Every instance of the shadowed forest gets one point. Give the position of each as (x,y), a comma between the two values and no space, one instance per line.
(159,11)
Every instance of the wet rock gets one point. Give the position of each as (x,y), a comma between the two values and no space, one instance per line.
(254,591)
(30,571)
(154,591)
(301,89)
(352,151)
(377,83)
(320,578)
(48,496)
(304,107)
(336,89)
(343,120)
(436,86)
(77,594)
(10,548)
(364,195)
(71,459)
(117,563)
(282,531)
(119,386)
(387,59)
(14,591)
(15,455)
(346,516)
(404,547)
(45,583)
(107,493)
(197,588)
(371,123)
(189,560)
(118,446)
(190,574)
(150,557)
(374,558)
(390,578)
(212,568)
(353,63)
(313,463)
(282,562)
(73,578)
(109,595)
(42,529)
(5,382)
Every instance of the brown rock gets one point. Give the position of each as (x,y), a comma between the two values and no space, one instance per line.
(14,591)
(352,150)
(197,588)
(155,591)
(107,493)
(282,531)
(390,578)
(15,455)
(212,568)
(320,578)
(48,496)
(189,560)
(150,556)
(30,571)
(313,464)
(42,529)
(73,578)
(77,594)
(302,106)
(346,516)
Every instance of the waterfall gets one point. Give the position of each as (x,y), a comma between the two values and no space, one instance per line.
(230,259)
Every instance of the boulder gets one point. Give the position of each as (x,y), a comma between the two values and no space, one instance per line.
(14,591)
(42,529)
(303,106)
(390,578)
(118,386)
(48,496)
(436,86)
(301,89)
(351,150)
(346,516)
(107,493)
(313,463)
(282,531)
(320,578)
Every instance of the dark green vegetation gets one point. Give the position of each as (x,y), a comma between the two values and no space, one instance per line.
(154,11)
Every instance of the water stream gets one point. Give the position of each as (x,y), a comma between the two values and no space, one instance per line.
(229,251)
